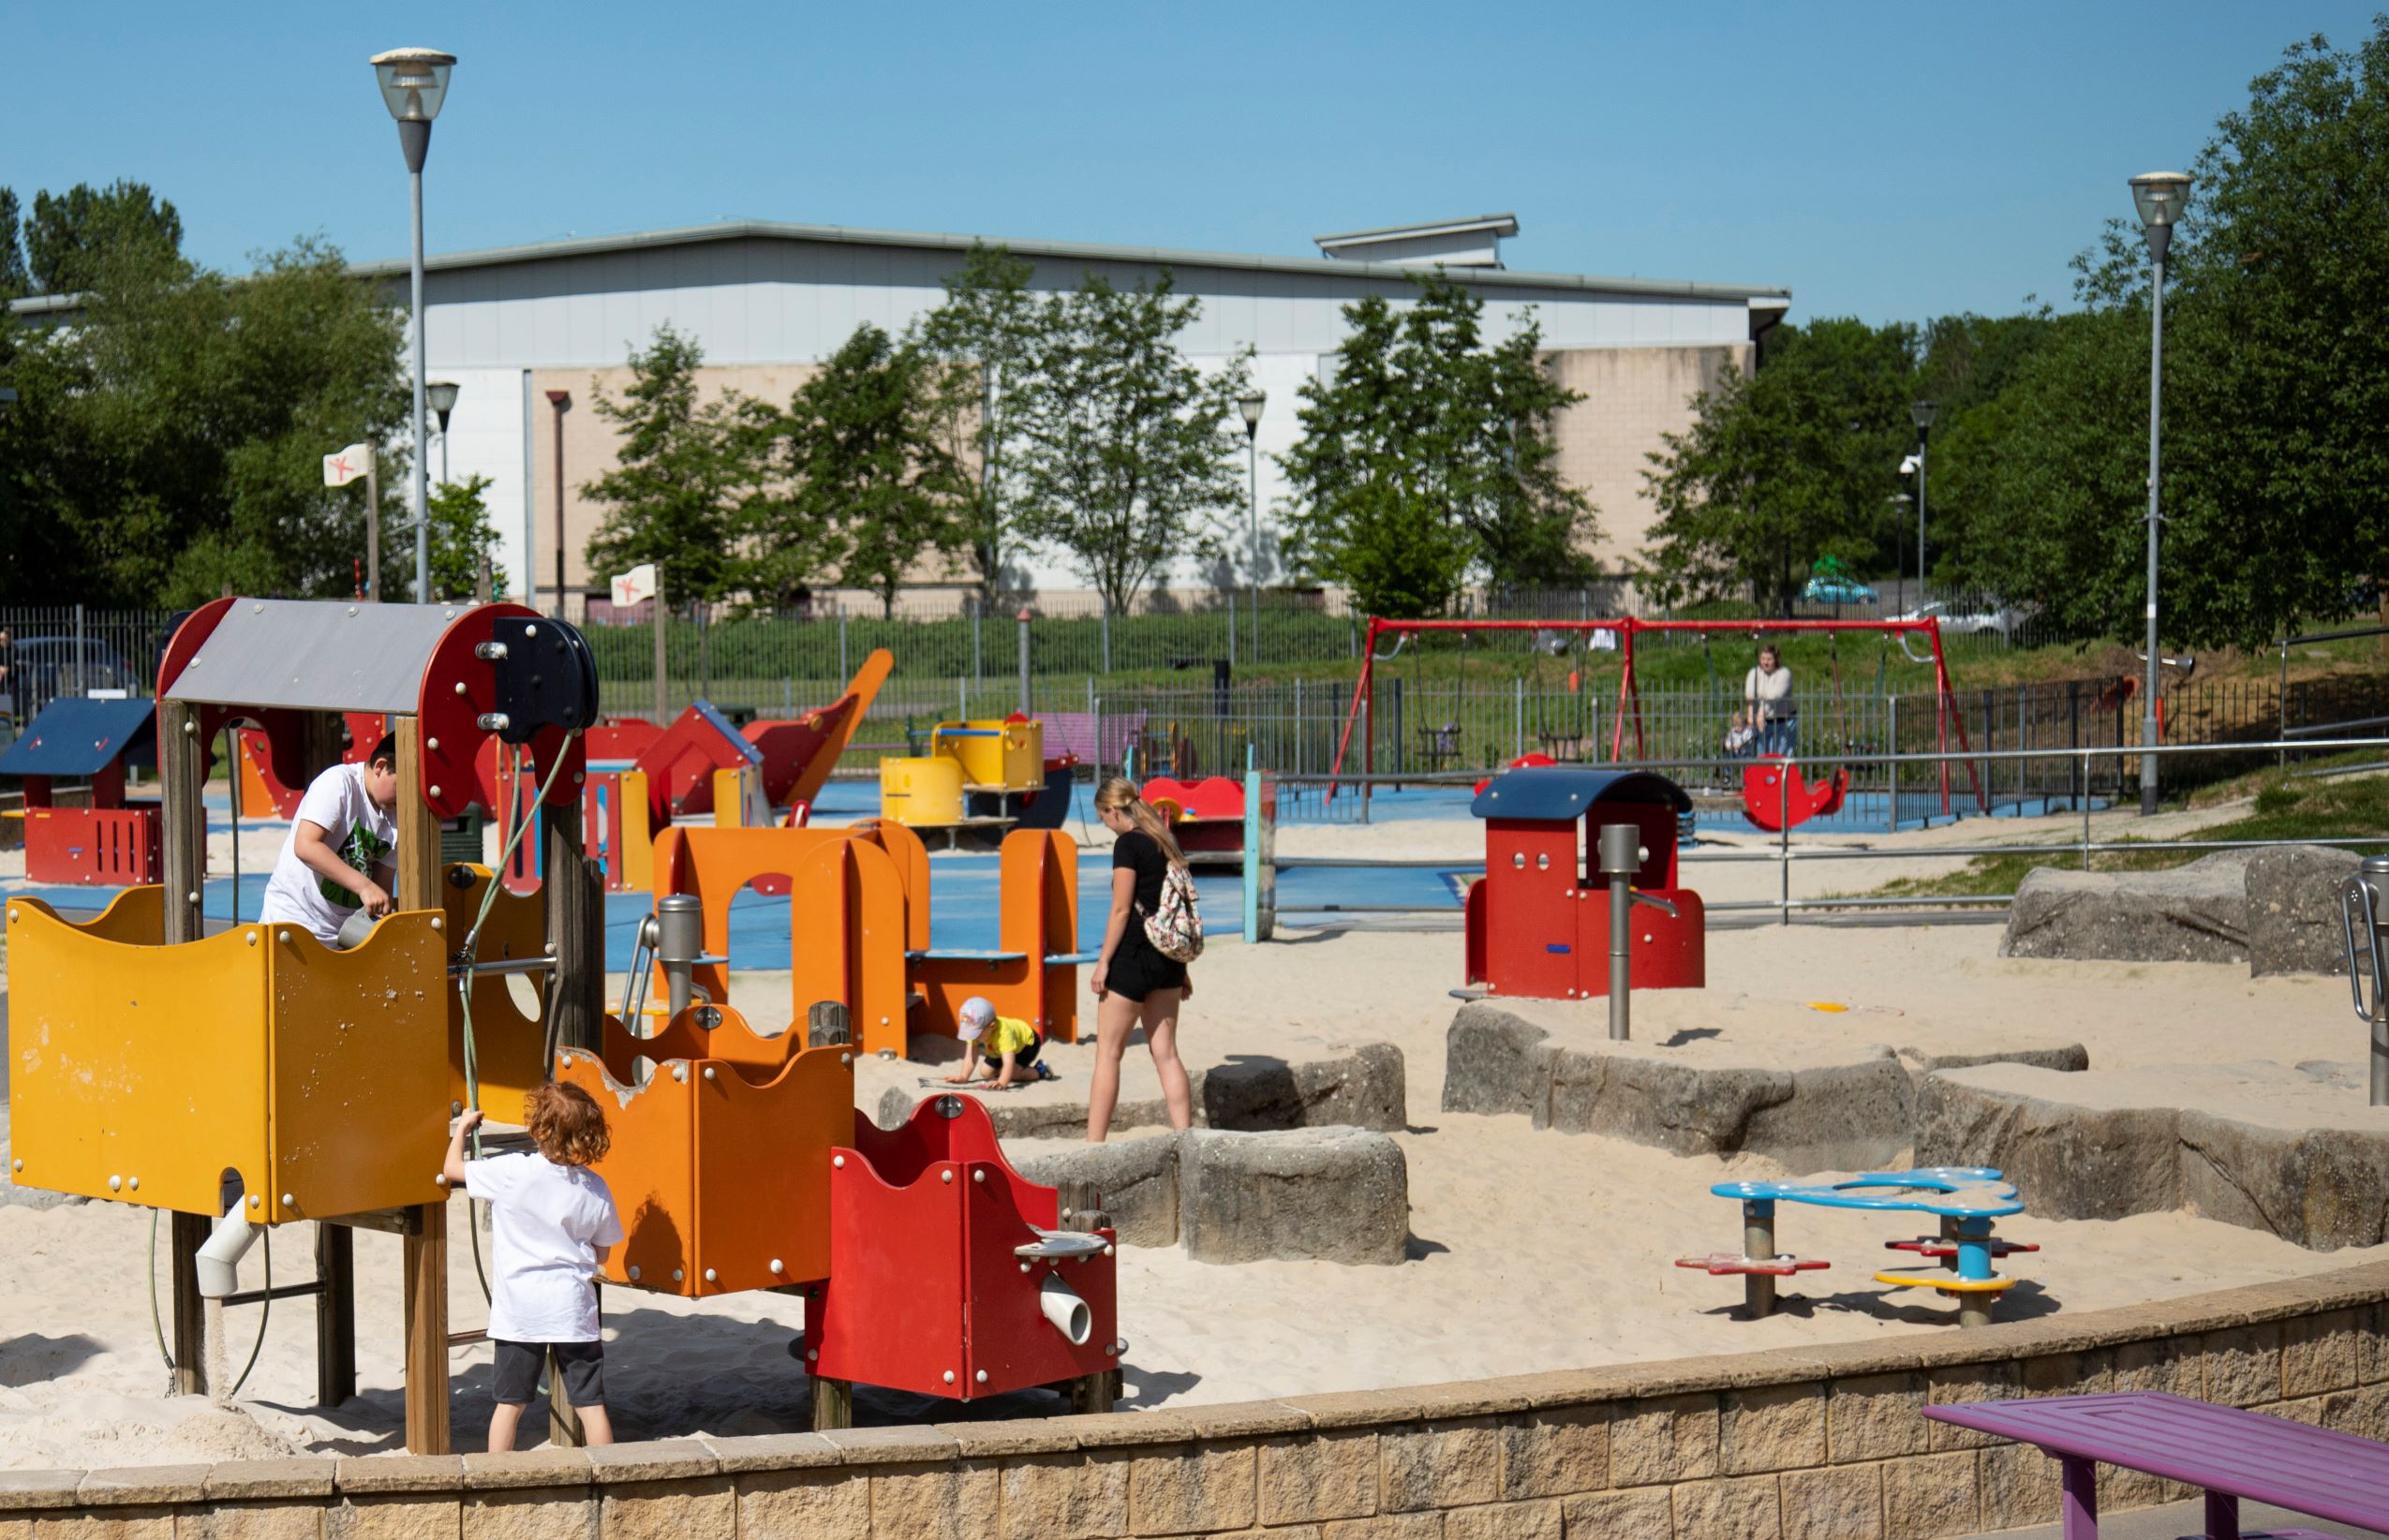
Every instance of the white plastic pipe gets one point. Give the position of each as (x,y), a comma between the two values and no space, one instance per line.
(1066,1311)
(220,1260)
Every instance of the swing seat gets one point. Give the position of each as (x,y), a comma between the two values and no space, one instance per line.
(1775,798)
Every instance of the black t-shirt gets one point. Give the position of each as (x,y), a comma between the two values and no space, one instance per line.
(1142,855)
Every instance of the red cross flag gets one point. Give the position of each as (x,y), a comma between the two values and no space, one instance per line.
(635,584)
(347,465)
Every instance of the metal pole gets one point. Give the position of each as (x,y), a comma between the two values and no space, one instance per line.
(1923,434)
(559,401)
(83,679)
(1024,660)
(978,613)
(1620,860)
(659,717)
(1518,718)
(1231,629)
(1253,453)
(422,447)
(373,517)
(2157,237)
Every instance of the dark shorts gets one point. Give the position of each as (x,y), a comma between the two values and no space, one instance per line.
(520,1364)
(1138,970)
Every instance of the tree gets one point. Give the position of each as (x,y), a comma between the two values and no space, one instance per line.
(75,239)
(1429,454)
(685,477)
(170,442)
(867,468)
(1122,457)
(461,535)
(980,336)
(14,280)
(1785,464)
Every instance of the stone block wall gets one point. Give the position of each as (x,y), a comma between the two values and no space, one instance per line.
(1818,1441)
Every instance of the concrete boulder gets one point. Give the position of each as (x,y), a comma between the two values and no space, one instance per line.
(2071,1151)
(1322,1194)
(1366,1088)
(2193,913)
(1494,1062)
(1136,1181)
(2293,910)
(1814,1117)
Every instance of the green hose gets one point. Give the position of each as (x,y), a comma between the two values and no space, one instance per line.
(265,1310)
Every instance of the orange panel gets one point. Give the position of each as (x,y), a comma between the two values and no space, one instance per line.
(649,1169)
(763,1169)
(729,1040)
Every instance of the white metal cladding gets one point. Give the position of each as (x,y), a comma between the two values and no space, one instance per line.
(316,656)
(773,301)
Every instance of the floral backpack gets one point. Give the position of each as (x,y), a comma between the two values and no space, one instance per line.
(1175,927)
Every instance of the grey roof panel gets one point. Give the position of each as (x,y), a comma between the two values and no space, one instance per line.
(1552,793)
(77,736)
(315,655)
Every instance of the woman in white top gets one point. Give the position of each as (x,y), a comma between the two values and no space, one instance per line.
(1767,694)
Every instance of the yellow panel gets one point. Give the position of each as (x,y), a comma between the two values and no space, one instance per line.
(926,792)
(142,1062)
(360,1068)
(1946,1282)
(508,1043)
(994,753)
(638,839)
(136,916)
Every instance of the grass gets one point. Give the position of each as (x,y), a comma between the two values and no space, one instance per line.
(2283,807)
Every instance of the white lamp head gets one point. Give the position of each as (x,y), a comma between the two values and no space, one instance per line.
(414,81)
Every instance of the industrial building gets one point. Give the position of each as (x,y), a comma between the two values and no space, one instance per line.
(515,326)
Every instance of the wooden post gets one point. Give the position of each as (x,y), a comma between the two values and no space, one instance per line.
(183,857)
(1080,1211)
(825,1025)
(575,888)
(833,1403)
(335,1315)
(427,1241)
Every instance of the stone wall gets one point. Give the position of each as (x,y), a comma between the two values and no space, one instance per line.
(1787,1444)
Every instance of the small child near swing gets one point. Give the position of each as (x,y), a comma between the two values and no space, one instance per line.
(1739,736)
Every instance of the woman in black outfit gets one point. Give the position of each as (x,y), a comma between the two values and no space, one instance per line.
(1133,982)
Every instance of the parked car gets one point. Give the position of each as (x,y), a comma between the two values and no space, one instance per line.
(42,668)
(1836,591)
(2002,618)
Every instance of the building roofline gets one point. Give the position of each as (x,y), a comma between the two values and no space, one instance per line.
(1500,224)
(1328,267)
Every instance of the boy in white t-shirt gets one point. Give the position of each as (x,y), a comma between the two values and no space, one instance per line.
(552,1220)
(335,861)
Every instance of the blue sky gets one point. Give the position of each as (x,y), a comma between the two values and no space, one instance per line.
(1891,161)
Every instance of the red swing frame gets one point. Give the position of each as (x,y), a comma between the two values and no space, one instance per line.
(1947,719)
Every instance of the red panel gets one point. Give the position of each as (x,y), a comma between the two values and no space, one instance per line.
(1213,796)
(891,1312)
(622,738)
(457,689)
(1666,952)
(1774,795)
(1007,1337)
(680,764)
(100,847)
(1476,968)
(1530,932)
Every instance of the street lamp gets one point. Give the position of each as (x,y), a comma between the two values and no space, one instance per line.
(1249,404)
(2159,196)
(1899,501)
(414,83)
(441,393)
(1921,413)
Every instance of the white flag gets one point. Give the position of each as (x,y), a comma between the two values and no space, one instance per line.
(635,584)
(347,465)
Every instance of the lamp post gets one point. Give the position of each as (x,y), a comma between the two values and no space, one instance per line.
(1899,501)
(414,83)
(2159,196)
(1249,404)
(1921,413)
(441,393)
(561,401)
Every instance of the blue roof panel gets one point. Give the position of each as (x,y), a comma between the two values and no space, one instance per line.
(77,736)
(1551,792)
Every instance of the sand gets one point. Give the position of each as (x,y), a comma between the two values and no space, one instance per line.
(1530,1250)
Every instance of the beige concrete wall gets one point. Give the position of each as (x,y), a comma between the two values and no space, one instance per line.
(591,444)
(1632,395)
(1827,1441)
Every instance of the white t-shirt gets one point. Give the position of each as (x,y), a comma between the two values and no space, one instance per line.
(1770,695)
(546,1221)
(362,834)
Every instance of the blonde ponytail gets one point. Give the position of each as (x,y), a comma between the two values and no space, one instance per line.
(1119,792)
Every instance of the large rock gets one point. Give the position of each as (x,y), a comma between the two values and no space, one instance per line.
(1493,1062)
(1325,1194)
(2073,1146)
(1136,1181)
(2193,913)
(1366,1088)
(1019,1114)
(2293,910)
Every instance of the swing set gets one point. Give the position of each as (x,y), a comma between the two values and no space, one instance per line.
(1627,724)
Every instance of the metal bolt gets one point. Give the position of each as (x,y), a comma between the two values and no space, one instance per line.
(1024,1266)
(949,1376)
(434,791)
(978,1176)
(775,1265)
(460,686)
(192,727)
(812,1355)
(115,1184)
(137,1184)
(709,1275)
(190,897)
(282,936)
(981,1376)
(255,1200)
(253,938)
(838,1161)
(432,744)
(257,609)
(945,1176)
(680,1072)
(709,1072)
(289,1202)
(1109,1249)
(846,1058)
(441,1181)
(634,1274)
(1112,1348)
(438,922)
(677,1276)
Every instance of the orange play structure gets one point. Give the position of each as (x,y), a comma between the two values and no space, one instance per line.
(859,925)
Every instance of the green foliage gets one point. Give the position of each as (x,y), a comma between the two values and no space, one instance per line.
(1116,450)
(867,469)
(980,336)
(1429,455)
(13,277)
(461,534)
(686,476)
(1788,462)
(170,442)
(84,238)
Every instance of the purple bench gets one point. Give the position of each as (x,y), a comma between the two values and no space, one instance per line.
(2232,1453)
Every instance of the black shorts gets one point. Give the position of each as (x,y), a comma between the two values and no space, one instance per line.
(1137,969)
(520,1364)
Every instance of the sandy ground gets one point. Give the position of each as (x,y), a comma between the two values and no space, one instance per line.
(1530,1250)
